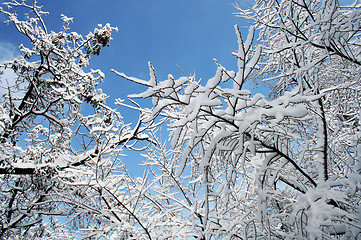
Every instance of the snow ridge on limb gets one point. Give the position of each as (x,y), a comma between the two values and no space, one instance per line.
(208,121)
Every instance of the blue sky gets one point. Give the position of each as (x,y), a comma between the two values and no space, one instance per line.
(169,33)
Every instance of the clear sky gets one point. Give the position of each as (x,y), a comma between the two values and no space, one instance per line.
(169,33)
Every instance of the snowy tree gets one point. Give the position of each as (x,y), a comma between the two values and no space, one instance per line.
(60,144)
(236,165)
(244,166)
